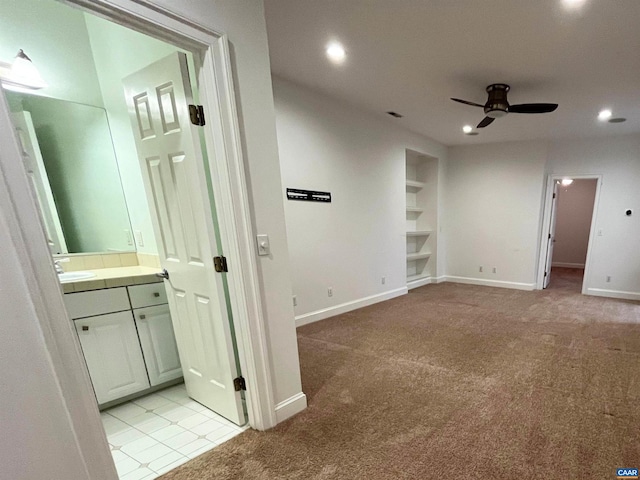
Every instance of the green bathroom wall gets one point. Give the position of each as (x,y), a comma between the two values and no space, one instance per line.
(55,38)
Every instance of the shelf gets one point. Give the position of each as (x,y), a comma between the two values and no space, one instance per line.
(414,209)
(417,256)
(415,184)
(420,233)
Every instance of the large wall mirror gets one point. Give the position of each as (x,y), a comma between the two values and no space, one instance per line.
(69,155)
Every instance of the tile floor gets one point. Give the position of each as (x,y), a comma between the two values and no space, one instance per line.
(151,435)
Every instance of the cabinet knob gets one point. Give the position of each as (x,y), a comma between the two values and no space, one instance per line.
(143,316)
(85,328)
(156,294)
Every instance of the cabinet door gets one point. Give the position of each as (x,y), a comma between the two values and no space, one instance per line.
(158,343)
(112,352)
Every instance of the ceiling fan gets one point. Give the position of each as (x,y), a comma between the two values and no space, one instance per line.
(497,105)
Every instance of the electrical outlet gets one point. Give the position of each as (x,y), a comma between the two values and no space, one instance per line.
(608,279)
(481,269)
(330,291)
(295,301)
(127,234)
(495,269)
(384,280)
(139,238)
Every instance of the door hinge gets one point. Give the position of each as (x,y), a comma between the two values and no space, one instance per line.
(220,264)
(239,384)
(545,274)
(549,236)
(196,113)
(554,195)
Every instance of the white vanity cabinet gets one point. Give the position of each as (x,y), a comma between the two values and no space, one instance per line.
(127,338)
(112,352)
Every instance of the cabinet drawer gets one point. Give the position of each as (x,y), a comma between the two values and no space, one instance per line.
(147,295)
(96,302)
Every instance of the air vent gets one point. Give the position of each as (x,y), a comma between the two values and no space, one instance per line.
(395,114)
(617,120)
(472,134)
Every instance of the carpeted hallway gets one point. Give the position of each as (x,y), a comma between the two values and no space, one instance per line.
(457,382)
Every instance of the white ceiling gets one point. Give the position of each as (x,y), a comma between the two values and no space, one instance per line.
(410,56)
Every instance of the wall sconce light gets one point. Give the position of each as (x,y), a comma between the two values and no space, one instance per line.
(21,75)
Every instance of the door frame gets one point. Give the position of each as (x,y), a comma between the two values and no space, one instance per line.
(222,137)
(546,224)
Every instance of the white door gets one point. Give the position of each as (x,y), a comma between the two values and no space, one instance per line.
(112,352)
(551,236)
(158,343)
(173,171)
(34,165)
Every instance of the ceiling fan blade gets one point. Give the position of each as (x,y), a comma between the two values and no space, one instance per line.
(485,122)
(533,108)
(467,103)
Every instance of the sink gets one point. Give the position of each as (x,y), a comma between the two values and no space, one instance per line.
(67,277)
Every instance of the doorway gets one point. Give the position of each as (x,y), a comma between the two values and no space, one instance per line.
(236,295)
(569,221)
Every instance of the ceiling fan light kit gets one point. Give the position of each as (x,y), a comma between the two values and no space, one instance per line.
(497,105)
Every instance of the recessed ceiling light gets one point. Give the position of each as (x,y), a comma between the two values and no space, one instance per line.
(336,53)
(566,182)
(617,120)
(467,129)
(573,4)
(604,115)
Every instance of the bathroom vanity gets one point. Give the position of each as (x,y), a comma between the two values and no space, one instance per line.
(124,326)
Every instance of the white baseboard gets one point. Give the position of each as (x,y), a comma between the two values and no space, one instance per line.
(440,279)
(419,283)
(311,317)
(567,265)
(289,407)
(599,292)
(491,283)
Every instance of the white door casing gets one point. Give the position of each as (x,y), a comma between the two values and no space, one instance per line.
(34,165)
(173,172)
(112,352)
(158,343)
(551,236)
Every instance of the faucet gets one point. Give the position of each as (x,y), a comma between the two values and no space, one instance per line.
(57,263)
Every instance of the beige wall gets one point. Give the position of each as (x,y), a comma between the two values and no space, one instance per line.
(573,223)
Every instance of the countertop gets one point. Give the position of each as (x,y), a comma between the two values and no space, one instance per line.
(114,277)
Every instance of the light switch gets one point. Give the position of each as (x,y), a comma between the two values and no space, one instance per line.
(263,245)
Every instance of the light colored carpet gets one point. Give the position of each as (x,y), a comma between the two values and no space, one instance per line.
(457,382)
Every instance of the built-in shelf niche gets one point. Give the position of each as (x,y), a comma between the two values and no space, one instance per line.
(422,216)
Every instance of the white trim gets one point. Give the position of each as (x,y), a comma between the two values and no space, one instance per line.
(440,279)
(491,283)
(289,407)
(318,315)
(419,283)
(599,292)
(567,265)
